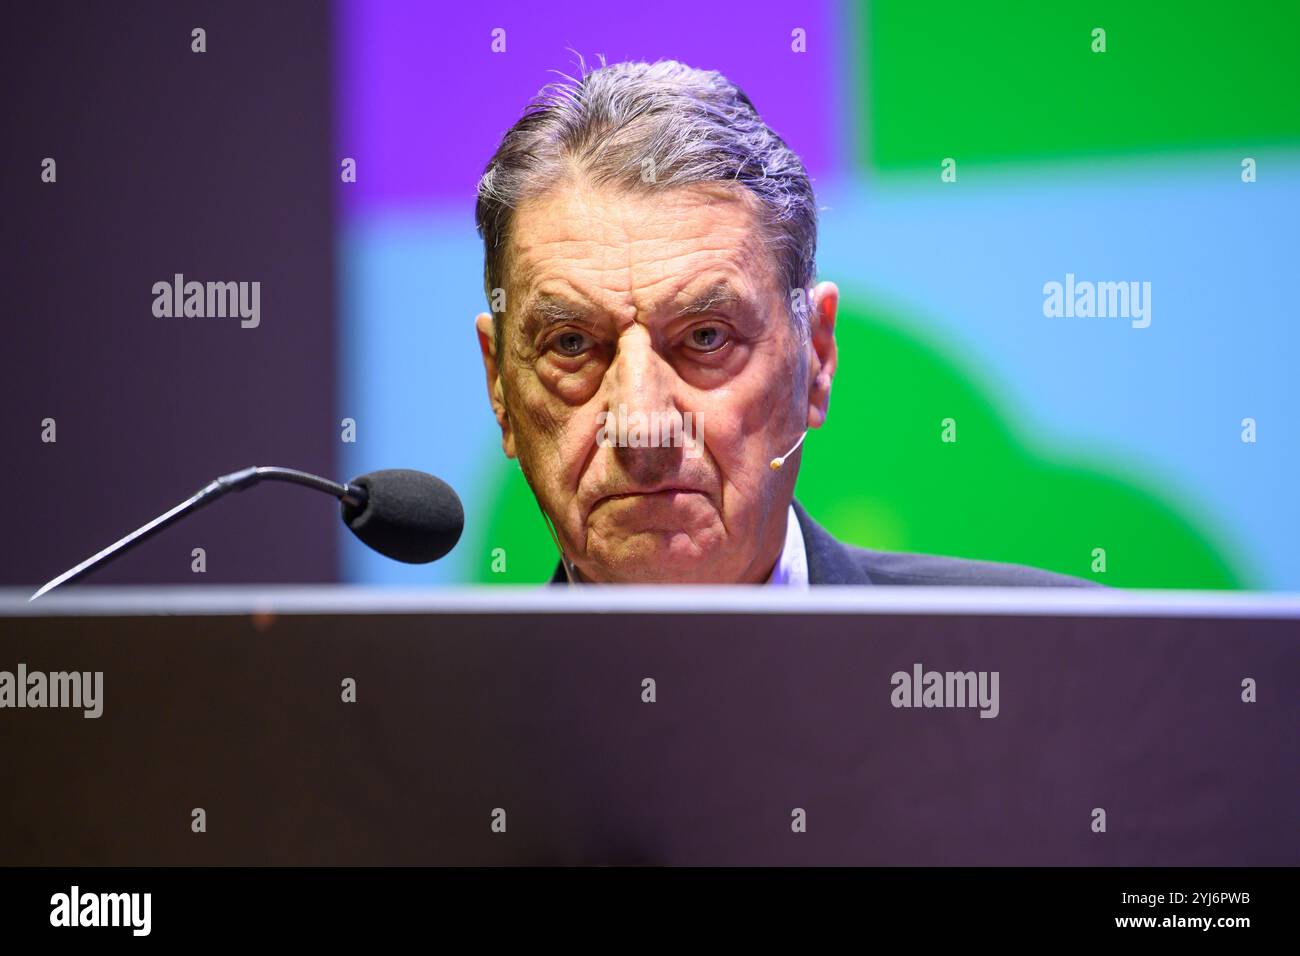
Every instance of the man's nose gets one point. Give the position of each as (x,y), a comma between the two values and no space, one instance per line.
(642,389)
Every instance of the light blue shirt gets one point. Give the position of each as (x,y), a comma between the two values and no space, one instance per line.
(792,567)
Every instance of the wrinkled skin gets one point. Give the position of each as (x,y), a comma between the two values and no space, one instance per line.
(658,301)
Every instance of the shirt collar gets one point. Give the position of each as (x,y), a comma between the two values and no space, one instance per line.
(791,568)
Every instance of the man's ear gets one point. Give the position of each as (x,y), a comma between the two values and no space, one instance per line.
(488,346)
(823,356)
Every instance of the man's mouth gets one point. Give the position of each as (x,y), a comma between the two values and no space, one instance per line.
(648,493)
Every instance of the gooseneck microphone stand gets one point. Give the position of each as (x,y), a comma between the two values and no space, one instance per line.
(235,481)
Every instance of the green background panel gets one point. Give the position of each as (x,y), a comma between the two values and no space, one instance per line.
(999,82)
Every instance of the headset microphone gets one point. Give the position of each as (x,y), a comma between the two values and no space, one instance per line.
(776,463)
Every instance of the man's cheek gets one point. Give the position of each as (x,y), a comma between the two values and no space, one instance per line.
(537,412)
(720,435)
(555,441)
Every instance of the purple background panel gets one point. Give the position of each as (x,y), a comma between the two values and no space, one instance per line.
(423,100)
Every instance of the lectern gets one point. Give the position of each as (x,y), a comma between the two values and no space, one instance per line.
(694,726)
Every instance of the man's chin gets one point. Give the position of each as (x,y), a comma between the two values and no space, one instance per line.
(654,557)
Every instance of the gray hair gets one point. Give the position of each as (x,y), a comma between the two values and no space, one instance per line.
(688,126)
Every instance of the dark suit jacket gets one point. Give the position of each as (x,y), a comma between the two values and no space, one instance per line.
(832,562)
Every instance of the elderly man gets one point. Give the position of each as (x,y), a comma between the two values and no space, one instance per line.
(657,347)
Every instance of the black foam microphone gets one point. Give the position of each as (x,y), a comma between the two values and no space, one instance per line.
(405,515)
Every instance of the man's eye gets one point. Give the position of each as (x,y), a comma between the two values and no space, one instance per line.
(707,338)
(571,343)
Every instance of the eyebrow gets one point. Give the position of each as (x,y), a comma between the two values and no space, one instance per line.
(547,310)
(721,293)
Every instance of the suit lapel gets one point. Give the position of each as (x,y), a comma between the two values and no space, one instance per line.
(829,561)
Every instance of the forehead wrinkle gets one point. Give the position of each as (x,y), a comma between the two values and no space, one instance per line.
(633,262)
(720,280)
